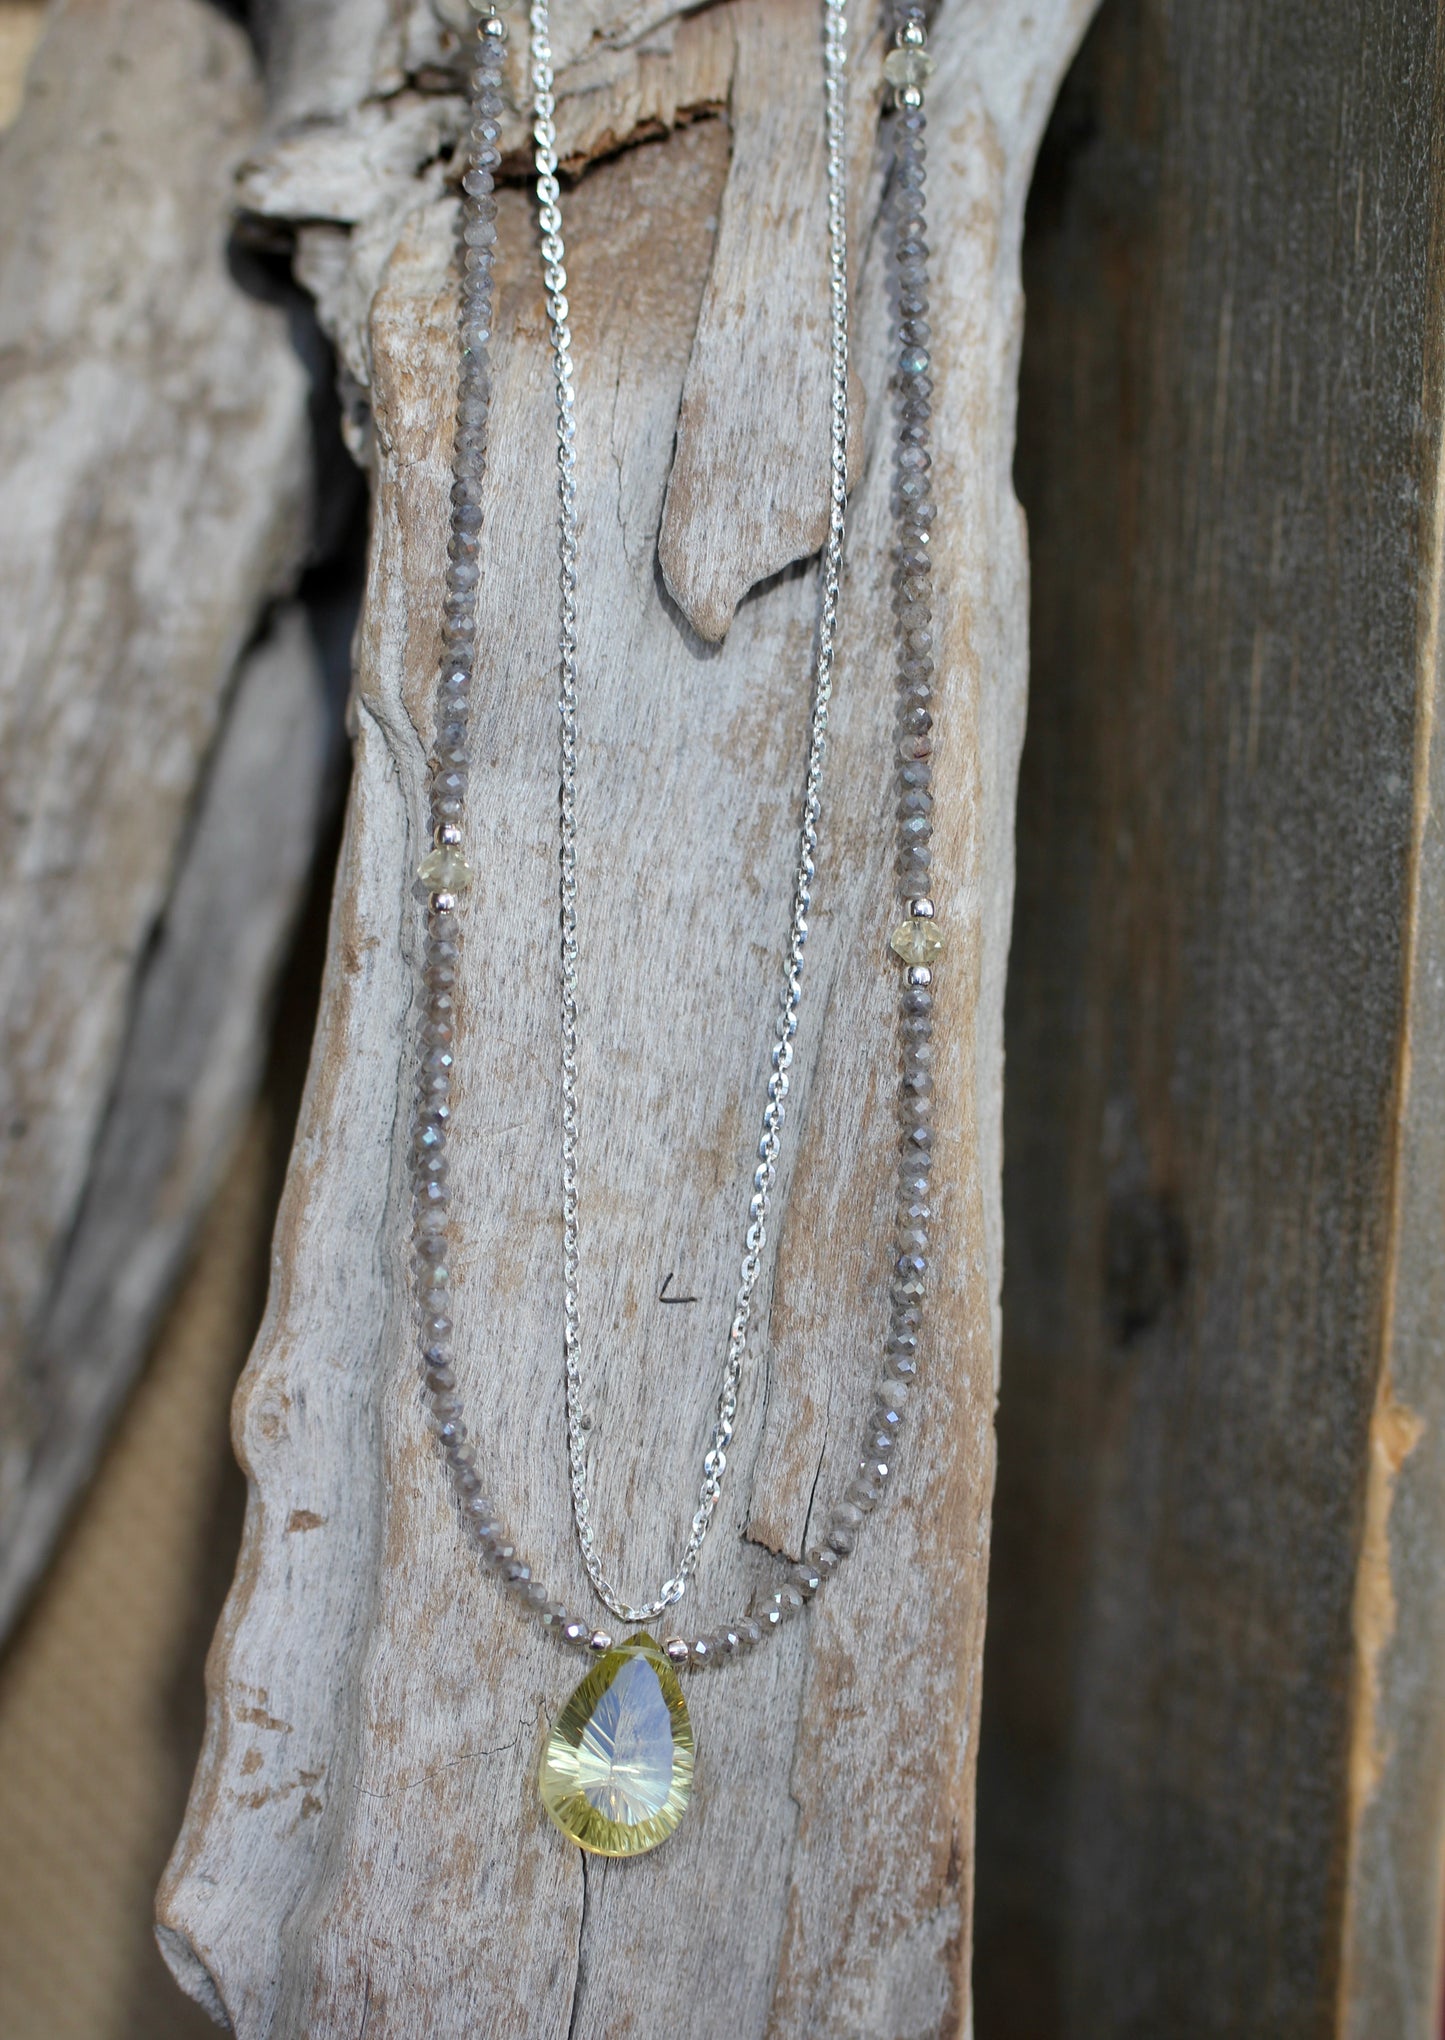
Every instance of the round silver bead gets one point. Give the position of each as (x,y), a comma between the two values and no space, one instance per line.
(918,977)
(921,909)
(911,97)
(912,34)
(675,1650)
(448,836)
(444,902)
(599,1642)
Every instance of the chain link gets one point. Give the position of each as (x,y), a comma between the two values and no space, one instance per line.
(769,1147)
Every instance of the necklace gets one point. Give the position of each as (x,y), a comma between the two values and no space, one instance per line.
(616,1775)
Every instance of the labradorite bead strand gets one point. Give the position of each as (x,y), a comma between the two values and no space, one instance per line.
(914,512)
(444,869)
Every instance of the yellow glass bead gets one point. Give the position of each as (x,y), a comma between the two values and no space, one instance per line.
(905,67)
(617,1770)
(445,870)
(916,941)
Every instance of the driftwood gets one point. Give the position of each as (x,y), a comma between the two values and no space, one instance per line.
(1212,1781)
(364,1850)
(161,763)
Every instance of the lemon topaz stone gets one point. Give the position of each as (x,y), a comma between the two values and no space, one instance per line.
(445,870)
(916,942)
(617,1769)
(908,67)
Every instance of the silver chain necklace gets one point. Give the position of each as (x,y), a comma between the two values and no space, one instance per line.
(770,1141)
(612,1799)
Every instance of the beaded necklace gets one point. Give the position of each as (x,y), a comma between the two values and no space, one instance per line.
(617,1770)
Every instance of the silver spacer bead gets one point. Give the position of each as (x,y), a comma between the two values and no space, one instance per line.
(444,902)
(675,1650)
(449,836)
(921,909)
(599,1642)
(919,977)
(911,97)
(913,35)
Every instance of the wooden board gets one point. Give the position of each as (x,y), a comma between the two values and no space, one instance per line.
(364,1848)
(1212,1797)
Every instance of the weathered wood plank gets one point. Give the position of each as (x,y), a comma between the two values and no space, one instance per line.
(189,1065)
(154,480)
(1212,1629)
(364,1843)
(1393,1967)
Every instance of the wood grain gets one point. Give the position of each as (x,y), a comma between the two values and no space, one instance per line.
(154,484)
(346,184)
(364,1846)
(189,1065)
(1392,1972)
(761,353)
(331,64)
(1211,1794)
(20,24)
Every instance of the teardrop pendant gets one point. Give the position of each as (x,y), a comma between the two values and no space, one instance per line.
(617,1770)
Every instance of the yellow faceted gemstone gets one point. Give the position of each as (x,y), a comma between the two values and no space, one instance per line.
(916,942)
(908,67)
(445,870)
(617,1770)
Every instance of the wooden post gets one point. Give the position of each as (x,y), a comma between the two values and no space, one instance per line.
(1213,1786)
